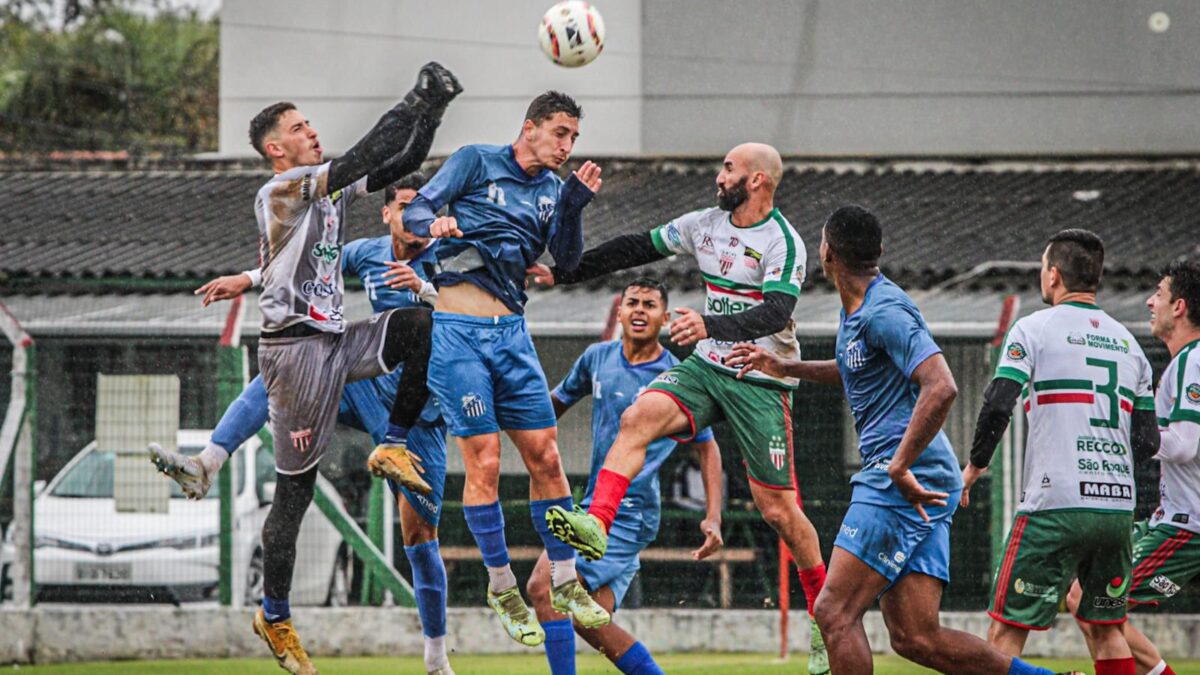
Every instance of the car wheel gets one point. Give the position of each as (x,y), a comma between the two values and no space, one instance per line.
(254,579)
(339,582)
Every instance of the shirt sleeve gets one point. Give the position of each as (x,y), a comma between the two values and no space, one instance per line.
(1017,357)
(462,171)
(291,192)
(900,331)
(578,382)
(784,262)
(676,236)
(703,436)
(350,257)
(1187,390)
(1144,393)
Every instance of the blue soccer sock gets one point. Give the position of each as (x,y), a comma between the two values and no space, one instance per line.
(1019,667)
(274,610)
(429,585)
(243,418)
(486,523)
(562,556)
(560,646)
(637,661)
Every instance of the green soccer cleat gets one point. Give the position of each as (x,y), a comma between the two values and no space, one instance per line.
(571,598)
(579,530)
(516,617)
(818,658)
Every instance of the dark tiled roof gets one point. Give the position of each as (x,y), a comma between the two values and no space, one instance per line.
(61,228)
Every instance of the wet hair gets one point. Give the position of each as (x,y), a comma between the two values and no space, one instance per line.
(1078,255)
(413,181)
(650,283)
(1185,285)
(546,105)
(855,237)
(264,122)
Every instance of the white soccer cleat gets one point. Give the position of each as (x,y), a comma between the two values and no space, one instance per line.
(185,470)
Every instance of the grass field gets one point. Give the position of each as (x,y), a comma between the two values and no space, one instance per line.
(730,664)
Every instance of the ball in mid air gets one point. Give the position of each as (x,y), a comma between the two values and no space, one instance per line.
(572,33)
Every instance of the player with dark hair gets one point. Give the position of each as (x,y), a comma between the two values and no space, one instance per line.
(894,543)
(307,351)
(1087,393)
(393,270)
(613,373)
(506,207)
(1166,550)
(753,265)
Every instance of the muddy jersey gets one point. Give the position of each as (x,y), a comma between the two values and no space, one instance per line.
(300,232)
(1178,402)
(1083,375)
(739,264)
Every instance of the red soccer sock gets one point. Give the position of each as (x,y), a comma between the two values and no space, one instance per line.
(1116,667)
(1168,671)
(606,498)
(812,579)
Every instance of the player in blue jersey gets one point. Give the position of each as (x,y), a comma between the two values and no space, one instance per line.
(894,543)
(614,374)
(394,270)
(506,207)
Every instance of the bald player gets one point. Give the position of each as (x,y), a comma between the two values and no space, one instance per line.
(753,265)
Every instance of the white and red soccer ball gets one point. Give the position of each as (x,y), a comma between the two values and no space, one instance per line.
(572,33)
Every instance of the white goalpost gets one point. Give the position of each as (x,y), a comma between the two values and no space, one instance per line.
(16,446)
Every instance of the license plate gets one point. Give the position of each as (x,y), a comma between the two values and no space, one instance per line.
(103,571)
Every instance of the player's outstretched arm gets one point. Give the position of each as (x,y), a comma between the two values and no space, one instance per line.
(566,241)
(748,356)
(768,318)
(709,456)
(618,253)
(402,136)
(225,288)
(992,422)
(938,392)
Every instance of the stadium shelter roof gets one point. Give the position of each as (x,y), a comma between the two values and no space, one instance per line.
(74,245)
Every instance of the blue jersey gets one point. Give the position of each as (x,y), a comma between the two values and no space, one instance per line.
(368,259)
(507,217)
(878,348)
(614,383)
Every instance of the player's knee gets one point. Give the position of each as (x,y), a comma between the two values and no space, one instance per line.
(778,515)
(418,533)
(538,588)
(910,644)
(484,468)
(544,461)
(829,614)
(639,422)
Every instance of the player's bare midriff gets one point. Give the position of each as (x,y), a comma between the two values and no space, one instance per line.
(467,298)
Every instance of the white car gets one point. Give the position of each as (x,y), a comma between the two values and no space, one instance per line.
(86,551)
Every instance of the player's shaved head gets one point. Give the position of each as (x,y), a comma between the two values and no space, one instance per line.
(761,157)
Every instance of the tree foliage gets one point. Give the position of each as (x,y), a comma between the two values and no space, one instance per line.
(107,75)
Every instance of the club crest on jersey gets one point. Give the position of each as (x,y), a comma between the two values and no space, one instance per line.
(1193,393)
(726,262)
(1016,351)
(545,207)
(1095,323)
(855,356)
(778,451)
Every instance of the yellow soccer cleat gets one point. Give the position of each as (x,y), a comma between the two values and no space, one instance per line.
(571,599)
(393,461)
(516,617)
(285,645)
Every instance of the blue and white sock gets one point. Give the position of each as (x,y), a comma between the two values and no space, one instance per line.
(637,661)
(486,523)
(275,610)
(243,418)
(560,646)
(1019,667)
(562,556)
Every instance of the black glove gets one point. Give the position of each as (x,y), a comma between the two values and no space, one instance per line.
(434,90)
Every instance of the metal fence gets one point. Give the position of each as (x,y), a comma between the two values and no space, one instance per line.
(89,549)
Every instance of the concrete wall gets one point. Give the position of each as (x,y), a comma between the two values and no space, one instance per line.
(814,77)
(50,634)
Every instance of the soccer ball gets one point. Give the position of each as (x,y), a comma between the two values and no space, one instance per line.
(572,33)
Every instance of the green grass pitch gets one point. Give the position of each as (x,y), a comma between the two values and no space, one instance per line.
(731,664)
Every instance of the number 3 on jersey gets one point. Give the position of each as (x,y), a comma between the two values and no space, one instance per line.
(1110,390)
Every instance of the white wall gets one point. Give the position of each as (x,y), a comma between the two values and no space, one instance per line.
(344,64)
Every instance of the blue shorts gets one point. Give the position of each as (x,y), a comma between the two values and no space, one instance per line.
(487,376)
(894,541)
(367,404)
(620,561)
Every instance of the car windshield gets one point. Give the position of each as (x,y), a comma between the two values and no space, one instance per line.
(92,478)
